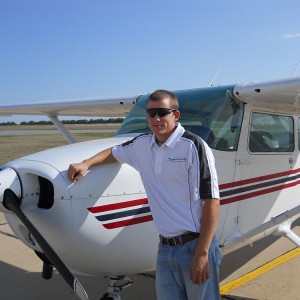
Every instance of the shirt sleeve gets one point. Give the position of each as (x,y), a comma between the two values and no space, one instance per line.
(126,153)
(203,172)
(210,178)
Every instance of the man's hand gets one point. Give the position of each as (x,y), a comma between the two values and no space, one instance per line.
(200,268)
(200,271)
(76,171)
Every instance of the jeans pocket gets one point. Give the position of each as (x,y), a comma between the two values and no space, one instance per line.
(190,247)
(218,253)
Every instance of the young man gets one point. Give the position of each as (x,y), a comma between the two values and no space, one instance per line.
(178,172)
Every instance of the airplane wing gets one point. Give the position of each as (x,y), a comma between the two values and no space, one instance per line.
(105,107)
(279,93)
(274,93)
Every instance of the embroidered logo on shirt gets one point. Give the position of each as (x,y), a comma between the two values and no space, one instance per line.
(177,159)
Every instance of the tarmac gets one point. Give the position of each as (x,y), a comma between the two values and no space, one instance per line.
(244,274)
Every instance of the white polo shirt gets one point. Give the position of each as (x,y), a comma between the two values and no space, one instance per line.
(176,176)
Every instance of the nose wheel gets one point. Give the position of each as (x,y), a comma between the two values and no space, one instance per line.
(116,284)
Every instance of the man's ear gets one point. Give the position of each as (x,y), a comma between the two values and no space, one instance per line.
(177,115)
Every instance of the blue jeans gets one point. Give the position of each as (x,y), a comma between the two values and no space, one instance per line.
(173,273)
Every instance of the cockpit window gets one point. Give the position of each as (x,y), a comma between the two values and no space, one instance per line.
(271,133)
(212,113)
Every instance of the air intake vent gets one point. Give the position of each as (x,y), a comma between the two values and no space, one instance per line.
(46,198)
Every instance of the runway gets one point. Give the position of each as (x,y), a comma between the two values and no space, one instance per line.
(20,275)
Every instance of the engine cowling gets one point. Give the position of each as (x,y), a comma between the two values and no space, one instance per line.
(9,180)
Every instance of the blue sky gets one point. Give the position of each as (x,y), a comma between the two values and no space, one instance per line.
(66,49)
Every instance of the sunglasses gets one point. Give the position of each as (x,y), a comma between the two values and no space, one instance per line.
(161,112)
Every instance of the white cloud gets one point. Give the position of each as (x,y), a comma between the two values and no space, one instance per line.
(292,36)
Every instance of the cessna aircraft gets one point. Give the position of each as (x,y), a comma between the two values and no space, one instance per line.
(253,131)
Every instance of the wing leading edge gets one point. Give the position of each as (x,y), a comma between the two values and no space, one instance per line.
(280,93)
(108,107)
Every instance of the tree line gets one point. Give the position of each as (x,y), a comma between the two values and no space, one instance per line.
(84,121)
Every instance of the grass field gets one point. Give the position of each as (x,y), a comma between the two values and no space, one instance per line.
(16,146)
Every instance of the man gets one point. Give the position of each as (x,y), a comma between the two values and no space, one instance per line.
(178,172)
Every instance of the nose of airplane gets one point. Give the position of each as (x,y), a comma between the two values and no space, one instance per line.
(8,180)
(11,201)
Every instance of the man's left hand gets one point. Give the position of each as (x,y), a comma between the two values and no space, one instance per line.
(200,269)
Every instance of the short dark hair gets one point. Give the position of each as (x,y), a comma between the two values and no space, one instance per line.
(160,95)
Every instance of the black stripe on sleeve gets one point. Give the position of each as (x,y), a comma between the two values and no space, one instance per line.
(127,143)
(205,174)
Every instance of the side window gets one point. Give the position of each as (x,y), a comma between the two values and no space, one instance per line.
(271,133)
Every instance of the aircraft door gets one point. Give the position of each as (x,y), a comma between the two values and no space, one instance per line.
(265,167)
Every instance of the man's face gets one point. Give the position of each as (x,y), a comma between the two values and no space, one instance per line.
(162,127)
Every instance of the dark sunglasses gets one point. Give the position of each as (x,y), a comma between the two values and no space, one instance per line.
(161,112)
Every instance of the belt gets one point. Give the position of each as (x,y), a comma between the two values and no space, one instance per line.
(179,239)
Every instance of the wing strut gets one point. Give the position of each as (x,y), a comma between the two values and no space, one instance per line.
(64,131)
(284,229)
(279,225)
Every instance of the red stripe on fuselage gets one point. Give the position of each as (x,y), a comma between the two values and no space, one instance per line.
(114,206)
(129,222)
(257,179)
(259,193)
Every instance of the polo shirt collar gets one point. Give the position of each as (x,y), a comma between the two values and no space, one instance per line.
(173,138)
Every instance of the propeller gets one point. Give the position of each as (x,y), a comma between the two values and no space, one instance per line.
(12,202)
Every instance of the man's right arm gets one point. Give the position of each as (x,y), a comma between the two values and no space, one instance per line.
(76,171)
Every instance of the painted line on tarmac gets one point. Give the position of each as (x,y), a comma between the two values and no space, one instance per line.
(227,287)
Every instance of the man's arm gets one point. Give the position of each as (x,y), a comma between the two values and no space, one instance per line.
(200,270)
(76,171)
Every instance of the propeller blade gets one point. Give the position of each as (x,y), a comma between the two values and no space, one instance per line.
(11,202)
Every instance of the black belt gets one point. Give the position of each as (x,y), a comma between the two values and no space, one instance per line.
(179,239)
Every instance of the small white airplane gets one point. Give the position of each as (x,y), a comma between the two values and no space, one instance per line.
(103,223)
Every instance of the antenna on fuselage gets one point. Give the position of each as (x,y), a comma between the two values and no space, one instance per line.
(296,69)
(210,84)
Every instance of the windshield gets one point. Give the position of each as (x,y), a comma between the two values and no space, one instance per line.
(212,113)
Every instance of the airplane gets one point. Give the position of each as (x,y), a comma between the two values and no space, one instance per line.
(103,223)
